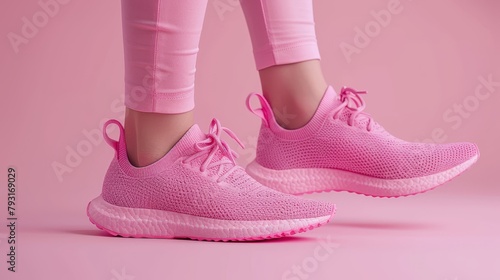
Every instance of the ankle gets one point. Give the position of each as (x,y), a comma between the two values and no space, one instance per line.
(294,91)
(149,136)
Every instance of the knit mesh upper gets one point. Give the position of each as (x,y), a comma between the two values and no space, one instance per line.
(329,142)
(176,184)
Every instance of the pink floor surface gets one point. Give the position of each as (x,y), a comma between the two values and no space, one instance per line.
(440,235)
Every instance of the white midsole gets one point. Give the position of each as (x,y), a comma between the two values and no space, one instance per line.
(138,222)
(306,180)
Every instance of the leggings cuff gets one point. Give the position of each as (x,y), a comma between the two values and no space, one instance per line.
(171,103)
(286,55)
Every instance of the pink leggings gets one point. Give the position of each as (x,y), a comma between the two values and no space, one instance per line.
(161,38)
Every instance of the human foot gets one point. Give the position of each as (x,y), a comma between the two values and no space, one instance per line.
(197,191)
(343,149)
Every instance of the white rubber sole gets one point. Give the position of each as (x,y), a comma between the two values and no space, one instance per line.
(151,223)
(300,181)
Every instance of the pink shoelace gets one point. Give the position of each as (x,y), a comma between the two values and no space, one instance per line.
(211,145)
(351,100)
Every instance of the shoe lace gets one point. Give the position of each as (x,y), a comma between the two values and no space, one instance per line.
(351,100)
(208,148)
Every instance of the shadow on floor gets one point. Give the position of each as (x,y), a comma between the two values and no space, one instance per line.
(88,232)
(100,233)
(384,225)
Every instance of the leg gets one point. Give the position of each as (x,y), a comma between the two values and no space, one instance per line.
(188,183)
(150,136)
(160,44)
(294,91)
(287,57)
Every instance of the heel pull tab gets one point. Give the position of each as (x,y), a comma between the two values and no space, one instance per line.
(111,142)
(265,112)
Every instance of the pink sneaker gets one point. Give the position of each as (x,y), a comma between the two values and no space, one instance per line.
(344,149)
(197,191)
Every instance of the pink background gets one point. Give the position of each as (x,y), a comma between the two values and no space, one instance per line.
(68,78)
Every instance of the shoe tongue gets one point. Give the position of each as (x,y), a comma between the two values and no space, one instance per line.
(330,101)
(185,147)
(186,144)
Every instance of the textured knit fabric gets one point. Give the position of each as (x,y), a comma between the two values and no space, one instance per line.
(282,31)
(161,38)
(341,136)
(199,177)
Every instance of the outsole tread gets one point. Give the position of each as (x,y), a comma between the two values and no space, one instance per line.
(279,180)
(122,219)
(255,238)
